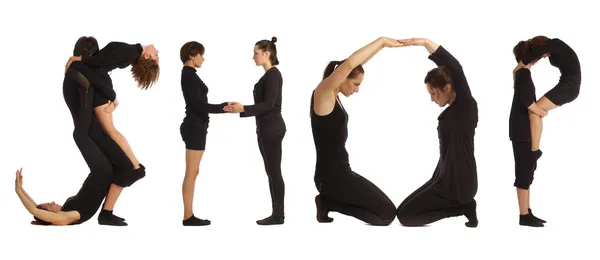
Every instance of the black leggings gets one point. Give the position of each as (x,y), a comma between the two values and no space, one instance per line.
(97,148)
(425,206)
(349,193)
(270,149)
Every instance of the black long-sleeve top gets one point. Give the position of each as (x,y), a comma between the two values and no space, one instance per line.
(267,103)
(195,94)
(114,55)
(562,56)
(456,172)
(523,97)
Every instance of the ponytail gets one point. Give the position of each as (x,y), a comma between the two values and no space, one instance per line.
(333,65)
(330,68)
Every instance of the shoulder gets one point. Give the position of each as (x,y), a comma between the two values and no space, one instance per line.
(273,72)
(272,75)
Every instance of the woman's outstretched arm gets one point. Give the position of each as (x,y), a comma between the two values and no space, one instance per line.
(324,97)
(31,207)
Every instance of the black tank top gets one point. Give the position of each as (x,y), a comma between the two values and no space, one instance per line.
(329,134)
(86,202)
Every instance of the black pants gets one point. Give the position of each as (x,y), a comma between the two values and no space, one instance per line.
(425,206)
(348,193)
(270,149)
(98,149)
(524,164)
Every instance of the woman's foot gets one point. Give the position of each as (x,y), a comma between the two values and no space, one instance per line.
(471,214)
(322,212)
(137,175)
(536,218)
(106,218)
(528,220)
(109,213)
(536,156)
(271,220)
(194,221)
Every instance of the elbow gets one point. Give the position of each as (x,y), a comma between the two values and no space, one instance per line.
(349,64)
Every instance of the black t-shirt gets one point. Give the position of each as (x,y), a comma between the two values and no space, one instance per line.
(114,55)
(195,94)
(267,103)
(524,96)
(457,167)
(562,56)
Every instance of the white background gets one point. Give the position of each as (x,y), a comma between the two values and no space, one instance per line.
(392,139)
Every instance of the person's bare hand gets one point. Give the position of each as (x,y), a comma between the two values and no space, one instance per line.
(234,107)
(109,108)
(71,60)
(413,42)
(391,43)
(19,179)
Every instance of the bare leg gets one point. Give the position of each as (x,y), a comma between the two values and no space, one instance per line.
(106,216)
(523,197)
(111,198)
(528,199)
(536,126)
(546,104)
(536,122)
(106,120)
(192,168)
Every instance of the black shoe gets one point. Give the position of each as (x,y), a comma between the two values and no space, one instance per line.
(271,220)
(111,221)
(536,218)
(528,220)
(136,175)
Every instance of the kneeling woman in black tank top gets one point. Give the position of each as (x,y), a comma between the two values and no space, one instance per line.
(340,189)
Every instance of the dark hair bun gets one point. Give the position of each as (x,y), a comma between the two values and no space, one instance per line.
(274,39)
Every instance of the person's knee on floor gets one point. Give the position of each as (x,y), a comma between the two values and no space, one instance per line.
(388,214)
(407,218)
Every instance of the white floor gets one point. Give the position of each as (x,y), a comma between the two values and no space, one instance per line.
(303,239)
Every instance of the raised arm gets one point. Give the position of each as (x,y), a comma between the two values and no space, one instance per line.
(549,46)
(324,96)
(272,85)
(31,206)
(114,54)
(442,57)
(359,57)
